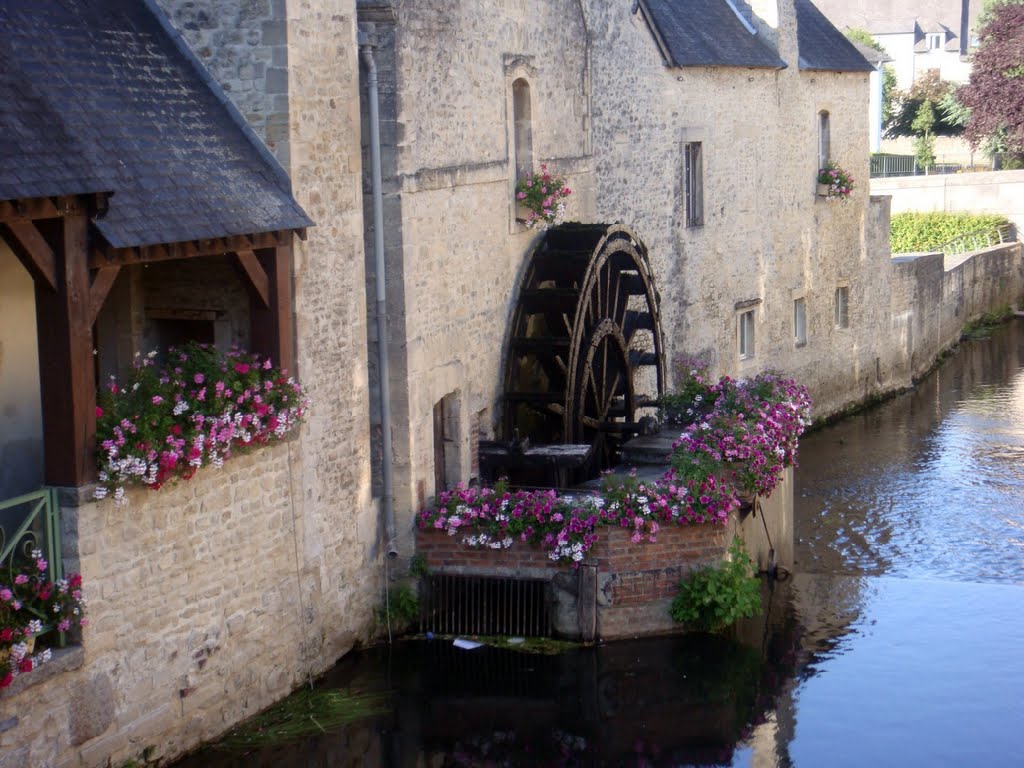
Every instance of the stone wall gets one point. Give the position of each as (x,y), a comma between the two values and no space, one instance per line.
(214,597)
(244,45)
(453,248)
(766,239)
(999,192)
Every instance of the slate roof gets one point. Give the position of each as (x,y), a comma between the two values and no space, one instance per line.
(706,33)
(822,46)
(102,96)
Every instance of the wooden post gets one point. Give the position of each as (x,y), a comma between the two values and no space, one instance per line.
(66,370)
(273,326)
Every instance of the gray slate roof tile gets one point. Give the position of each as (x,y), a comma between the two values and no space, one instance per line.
(822,46)
(707,33)
(95,96)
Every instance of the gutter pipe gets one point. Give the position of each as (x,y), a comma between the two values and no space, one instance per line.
(383,368)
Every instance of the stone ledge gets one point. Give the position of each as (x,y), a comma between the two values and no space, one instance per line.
(62,660)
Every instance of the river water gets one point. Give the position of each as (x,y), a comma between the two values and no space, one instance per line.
(898,640)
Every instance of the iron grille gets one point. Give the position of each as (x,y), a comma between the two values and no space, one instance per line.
(484,605)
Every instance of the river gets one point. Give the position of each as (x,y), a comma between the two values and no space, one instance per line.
(897,641)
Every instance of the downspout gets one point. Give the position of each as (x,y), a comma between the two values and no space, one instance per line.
(383,368)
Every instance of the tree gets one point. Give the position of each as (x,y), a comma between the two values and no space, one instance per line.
(928,88)
(995,91)
(862,36)
(924,144)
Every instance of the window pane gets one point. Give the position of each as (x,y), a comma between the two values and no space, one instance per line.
(693,181)
(824,139)
(746,323)
(800,321)
(842,304)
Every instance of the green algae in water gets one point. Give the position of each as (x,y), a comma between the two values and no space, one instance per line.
(307,712)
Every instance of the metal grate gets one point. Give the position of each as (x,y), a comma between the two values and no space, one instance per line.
(483,605)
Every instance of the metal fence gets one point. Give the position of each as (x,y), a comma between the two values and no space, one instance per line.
(979,239)
(30,522)
(884,165)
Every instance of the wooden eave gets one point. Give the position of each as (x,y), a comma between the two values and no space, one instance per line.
(104,255)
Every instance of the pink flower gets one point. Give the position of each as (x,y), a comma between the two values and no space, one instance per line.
(199,378)
(242,368)
(157,399)
(99,412)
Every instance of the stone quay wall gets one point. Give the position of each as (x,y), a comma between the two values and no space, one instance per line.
(203,609)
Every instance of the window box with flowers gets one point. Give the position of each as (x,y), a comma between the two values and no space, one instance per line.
(195,410)
(834,183)
(32,607)
(541,197)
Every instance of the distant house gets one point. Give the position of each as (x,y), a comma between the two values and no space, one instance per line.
(920,35)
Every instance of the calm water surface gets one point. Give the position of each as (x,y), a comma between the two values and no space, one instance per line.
(898,641)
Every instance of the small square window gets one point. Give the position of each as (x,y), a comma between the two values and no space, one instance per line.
(800,321)
(693,183)
(935,41)
(746,334)
(842,307)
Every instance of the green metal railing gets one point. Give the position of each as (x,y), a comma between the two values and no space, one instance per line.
(35,521)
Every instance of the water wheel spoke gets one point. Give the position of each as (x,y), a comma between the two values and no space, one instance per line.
(585,322)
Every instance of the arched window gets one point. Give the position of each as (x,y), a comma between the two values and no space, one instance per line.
(522,128)
(824,141)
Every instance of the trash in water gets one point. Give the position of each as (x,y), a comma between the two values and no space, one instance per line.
(461,642)
(516,640)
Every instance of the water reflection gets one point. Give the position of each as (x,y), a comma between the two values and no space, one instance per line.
(929,485)
(891,646)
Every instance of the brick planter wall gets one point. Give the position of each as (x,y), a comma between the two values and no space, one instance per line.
(629,585)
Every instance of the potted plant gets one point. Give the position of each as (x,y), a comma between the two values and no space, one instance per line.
(834,182)
(542,196)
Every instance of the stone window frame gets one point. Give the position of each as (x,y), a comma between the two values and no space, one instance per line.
(841,310)
(824,133)
(746,328)
(693,184)
(518,67)
(800,323)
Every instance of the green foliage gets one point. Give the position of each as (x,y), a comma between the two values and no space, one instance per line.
(862,36)
(924,151)
(402,607)
(929,89)
(715,597)
(914,232)
(305,713)
(924,120)
(983,326)
(418,566)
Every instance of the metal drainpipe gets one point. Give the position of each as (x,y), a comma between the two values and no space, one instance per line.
(383,368)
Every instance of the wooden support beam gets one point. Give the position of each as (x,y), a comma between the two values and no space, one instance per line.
(102,255)
(29,209)
(66,369)
(102,282)
(253,270)
(273,325)
(32,251)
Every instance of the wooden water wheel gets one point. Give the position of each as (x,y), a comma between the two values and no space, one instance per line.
(584,353)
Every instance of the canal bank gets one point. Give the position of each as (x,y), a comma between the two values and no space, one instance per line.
(895,643)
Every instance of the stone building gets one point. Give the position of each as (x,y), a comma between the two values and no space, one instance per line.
(698,127)
(691,138)
(139,208)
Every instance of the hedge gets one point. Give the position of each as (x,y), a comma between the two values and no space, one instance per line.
(915,232)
